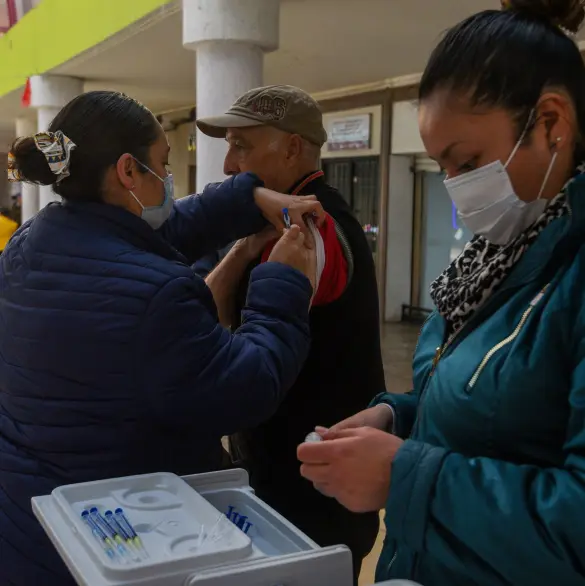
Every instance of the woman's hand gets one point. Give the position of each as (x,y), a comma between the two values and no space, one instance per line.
(271,203)
(353,467)
(293,250)
(253,246)
(379,417)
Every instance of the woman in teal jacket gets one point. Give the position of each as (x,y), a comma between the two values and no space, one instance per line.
(483,474)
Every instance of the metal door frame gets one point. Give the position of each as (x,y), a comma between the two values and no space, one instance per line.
(379,255)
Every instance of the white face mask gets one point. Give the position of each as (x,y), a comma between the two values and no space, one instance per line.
(487,204)
(156,216)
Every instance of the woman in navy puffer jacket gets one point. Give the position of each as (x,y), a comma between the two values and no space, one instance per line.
(112,360)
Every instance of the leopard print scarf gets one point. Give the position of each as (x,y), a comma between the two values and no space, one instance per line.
(480,269)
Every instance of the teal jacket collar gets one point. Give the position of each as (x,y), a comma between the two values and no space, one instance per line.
(563,232)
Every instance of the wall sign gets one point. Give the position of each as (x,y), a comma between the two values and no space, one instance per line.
(349,133)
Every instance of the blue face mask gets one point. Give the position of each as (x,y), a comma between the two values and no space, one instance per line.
(156,216)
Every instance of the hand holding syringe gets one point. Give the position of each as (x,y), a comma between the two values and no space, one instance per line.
(296,249)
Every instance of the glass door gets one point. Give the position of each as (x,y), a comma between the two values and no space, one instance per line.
(358,180)
(442,236)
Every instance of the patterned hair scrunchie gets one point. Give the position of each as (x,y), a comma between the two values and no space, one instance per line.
(56,148)
(14,174)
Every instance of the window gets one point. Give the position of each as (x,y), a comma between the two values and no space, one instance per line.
(357,180)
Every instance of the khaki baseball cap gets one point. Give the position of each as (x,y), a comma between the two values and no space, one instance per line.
(285,107)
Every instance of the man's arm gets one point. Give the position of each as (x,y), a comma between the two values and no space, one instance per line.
(227,275)
(334,274)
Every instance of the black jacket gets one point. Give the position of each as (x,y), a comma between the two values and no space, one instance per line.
(343,372)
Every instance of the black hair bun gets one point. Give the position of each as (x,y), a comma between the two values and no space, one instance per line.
(566,14)
(29,163)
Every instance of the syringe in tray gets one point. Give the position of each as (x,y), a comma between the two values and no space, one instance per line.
(240,521)
(115,534)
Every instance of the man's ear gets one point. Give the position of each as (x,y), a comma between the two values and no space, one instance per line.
(294,149)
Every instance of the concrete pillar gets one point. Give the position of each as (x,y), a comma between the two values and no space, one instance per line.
(29,193)
(45,116)
(49,93)
(399,237)
(230,38)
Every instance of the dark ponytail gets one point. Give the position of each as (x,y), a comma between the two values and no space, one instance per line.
(29,163)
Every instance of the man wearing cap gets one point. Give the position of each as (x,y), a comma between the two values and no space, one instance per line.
(277,133)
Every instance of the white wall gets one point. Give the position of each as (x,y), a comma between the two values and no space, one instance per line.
(406,144)
(405,134)
(399,236)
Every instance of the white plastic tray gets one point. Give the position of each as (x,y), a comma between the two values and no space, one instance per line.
(170,514)
(169,517)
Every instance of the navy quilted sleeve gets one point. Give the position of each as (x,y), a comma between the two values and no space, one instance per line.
(224,212)
(194,372)
(207,263)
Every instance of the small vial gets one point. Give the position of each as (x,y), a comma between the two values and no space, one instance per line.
(313,437)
